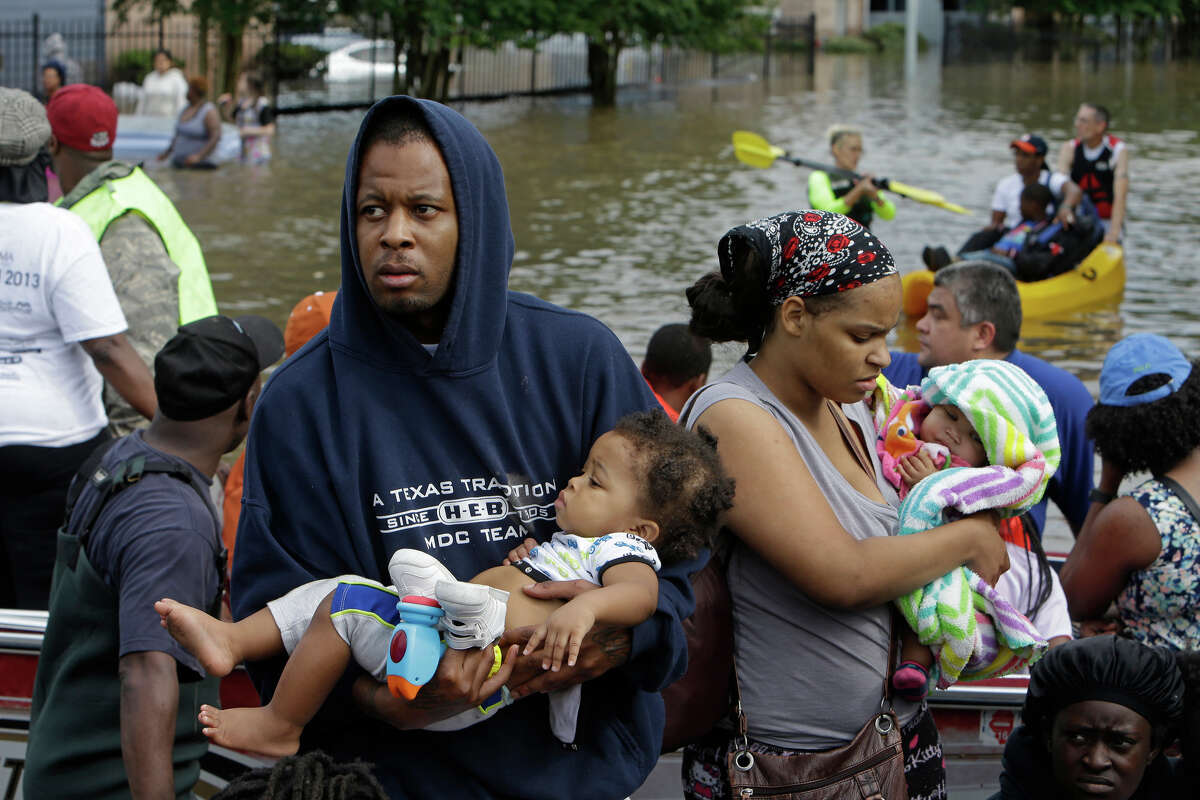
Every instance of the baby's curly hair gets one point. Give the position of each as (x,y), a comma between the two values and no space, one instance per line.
(1154,436)
(684,488)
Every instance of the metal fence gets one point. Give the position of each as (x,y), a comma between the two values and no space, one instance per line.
(96,53)
(1102,40)
(23,50)
(558,64)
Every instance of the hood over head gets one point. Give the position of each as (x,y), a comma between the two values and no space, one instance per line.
(484,256)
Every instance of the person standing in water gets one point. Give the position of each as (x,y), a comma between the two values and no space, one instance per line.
(164,89)
(843,192)
(254,117)
(197,131)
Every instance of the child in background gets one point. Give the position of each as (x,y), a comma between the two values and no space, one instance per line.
(920,432)
(650,490)
(254,117)
(1033,229)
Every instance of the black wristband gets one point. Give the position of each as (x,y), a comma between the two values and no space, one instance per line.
(1098,496)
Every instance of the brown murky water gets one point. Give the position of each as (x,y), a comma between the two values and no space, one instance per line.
(616,211)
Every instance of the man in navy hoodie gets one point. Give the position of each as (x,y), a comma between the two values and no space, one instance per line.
(974,311)
(443,412)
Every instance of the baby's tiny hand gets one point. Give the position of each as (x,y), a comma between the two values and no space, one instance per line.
(563,632)
(915,467)
(520,552)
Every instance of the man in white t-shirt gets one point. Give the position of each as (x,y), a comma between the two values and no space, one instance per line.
(1029,157)
(61,337)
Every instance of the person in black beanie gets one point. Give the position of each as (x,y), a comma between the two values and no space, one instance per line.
(115,698)
(1098,715)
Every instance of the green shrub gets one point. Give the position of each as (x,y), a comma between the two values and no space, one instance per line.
(848,44)
(789,45)
(295,60)
(134,65)
(890,36)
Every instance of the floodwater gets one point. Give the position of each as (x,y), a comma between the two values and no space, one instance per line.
(616,211)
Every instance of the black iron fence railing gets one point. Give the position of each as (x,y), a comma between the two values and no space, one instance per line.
(344,70)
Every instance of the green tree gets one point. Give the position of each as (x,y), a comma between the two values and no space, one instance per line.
(425,36)
(613,25)
(231,18)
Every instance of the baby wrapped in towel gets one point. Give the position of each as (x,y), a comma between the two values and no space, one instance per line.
(971,632)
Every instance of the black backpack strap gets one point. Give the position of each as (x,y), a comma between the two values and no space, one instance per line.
(89,469)
(124,475)
(112,482)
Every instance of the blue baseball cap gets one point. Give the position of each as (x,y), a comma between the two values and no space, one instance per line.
(1135,357)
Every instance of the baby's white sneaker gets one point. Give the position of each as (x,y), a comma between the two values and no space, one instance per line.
(474,613)
(416,572)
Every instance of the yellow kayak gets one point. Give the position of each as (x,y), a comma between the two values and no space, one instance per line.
(1097,279)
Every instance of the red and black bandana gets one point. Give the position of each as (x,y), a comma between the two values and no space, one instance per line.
(808,253)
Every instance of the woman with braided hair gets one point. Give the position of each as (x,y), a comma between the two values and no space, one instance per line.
(814,564)
(311,776)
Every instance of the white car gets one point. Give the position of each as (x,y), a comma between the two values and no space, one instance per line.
(353,62)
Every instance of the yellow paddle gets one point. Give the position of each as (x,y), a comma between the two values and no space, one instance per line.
(752,149)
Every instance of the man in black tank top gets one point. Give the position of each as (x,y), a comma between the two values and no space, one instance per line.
(1099,163)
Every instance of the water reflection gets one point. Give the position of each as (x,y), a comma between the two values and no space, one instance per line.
(615,211)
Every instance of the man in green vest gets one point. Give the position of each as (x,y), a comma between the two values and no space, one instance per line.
(115,699)
(155,262)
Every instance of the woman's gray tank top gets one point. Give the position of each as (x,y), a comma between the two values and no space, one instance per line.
(191,132)
(810,676)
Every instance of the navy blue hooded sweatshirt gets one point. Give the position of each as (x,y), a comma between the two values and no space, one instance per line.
(363,443)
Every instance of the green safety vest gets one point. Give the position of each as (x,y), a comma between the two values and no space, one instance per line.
(136,192)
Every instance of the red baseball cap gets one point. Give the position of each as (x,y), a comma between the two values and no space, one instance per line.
(83,117)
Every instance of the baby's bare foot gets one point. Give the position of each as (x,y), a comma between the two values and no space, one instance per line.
(201,635)
(258,730)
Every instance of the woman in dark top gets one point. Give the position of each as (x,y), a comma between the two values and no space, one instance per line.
(1097,717)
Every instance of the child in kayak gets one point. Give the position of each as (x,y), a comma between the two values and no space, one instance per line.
(1037,247)
(1034,230)
(989,417)
(650,492)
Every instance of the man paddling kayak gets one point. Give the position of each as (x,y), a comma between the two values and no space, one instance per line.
(856,197)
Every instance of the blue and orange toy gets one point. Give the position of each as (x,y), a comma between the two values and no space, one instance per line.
(416,647)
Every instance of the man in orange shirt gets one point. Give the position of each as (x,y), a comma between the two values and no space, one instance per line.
(676,365)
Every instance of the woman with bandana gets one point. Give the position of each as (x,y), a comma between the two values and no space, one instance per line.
(1098,715)
(814,564)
